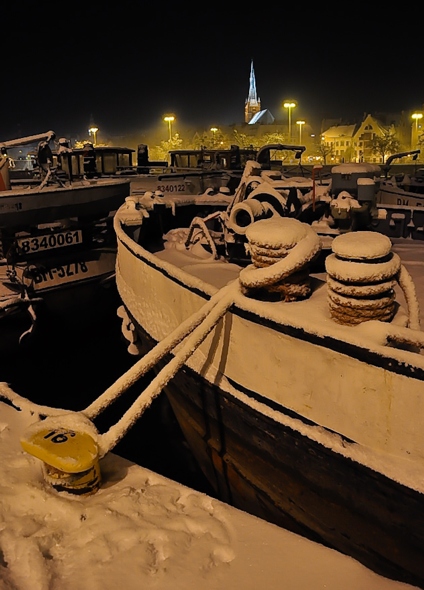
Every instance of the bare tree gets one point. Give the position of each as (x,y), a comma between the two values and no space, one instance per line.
(385,145)
(160,152)
(324,151)
(243,140)
(273,138)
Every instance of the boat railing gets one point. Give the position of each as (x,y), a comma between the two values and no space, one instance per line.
(149,168)
(412,153)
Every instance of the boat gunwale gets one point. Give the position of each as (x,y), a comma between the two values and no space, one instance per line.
(380,356)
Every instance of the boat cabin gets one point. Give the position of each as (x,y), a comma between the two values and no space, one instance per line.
(234,158)
(108,160)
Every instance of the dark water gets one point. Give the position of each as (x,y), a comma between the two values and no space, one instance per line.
(69,364)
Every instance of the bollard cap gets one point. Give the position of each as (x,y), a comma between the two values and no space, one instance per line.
(65,449)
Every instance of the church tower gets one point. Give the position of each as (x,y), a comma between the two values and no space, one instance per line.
(253,103)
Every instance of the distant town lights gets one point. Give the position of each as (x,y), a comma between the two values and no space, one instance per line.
(93,132)
(214,130)
(289,105)
(416,117)
(300,123)
(169,119)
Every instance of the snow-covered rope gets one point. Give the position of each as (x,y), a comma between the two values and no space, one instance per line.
(221,304)
(281,249)
(165,346)
(408,287)
(199,224)
(22,403)
(188,336)
(18,301)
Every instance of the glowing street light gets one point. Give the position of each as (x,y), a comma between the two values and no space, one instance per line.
(93,132)
(416,117)
(214,130)
(169,119)
(289,105)
(300,123)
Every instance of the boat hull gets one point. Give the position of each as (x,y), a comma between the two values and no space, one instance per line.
(73,285)
(70,290)
(32,206)
(400,221)
(185,183)
(401,213)
(277,473)
(340,463)
(389,194)
(57,255)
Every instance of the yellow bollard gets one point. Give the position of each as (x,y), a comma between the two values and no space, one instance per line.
(70,459)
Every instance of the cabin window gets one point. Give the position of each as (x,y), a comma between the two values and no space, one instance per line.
(184,161)
(77,164)
(109,164)
(195,160)
(124,160)
(189,160)
(207,159)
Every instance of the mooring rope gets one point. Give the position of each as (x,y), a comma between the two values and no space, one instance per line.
(281,249)
(188,335)
(294,245)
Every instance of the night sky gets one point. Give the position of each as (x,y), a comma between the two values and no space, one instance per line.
(130,63)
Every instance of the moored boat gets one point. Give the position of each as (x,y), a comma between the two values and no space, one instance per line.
(405,188)
(57,245)
(299,392)
(185,171)
(391,203)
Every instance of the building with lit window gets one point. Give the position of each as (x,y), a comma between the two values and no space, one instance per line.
(354,143)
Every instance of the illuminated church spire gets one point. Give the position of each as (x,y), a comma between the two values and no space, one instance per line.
(253,103)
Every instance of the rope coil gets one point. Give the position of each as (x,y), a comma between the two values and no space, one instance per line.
(362,273)
(281,249)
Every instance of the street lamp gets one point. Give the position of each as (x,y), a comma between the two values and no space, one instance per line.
(416,117)
(300,123)
(214,130)
(289,105)
(93,131)
(169,120)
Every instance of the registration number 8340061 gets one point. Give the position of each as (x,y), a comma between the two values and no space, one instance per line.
(29,245)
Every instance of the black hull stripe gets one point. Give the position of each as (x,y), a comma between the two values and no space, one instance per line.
(273,405)
(357,352)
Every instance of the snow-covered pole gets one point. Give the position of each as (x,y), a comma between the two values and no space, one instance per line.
(47,136)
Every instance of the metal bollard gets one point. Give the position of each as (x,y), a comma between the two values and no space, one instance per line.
(70,459)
